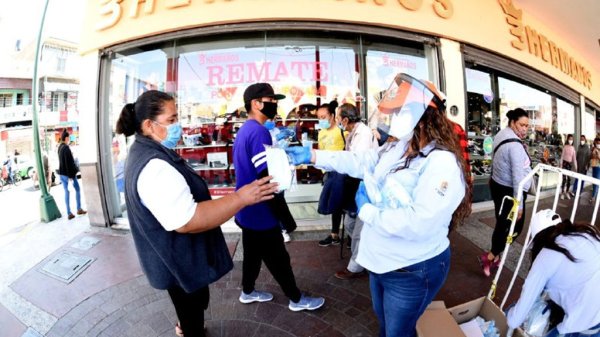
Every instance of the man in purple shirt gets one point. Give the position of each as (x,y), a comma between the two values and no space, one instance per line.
(260,223)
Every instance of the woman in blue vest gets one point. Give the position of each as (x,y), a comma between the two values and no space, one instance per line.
(174,222)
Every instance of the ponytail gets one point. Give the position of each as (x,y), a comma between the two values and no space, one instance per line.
(126,123)
(148,106)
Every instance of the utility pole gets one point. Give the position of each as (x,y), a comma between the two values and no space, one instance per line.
(48,209)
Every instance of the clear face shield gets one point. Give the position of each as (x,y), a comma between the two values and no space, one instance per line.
(404,103)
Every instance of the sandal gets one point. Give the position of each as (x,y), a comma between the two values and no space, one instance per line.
(178,330)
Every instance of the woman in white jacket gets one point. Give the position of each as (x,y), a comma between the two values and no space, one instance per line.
(565,265)
(417,191)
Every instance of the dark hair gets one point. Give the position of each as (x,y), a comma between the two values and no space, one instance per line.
(515,114)
(547,237)
(349,111)
(597,139)
(64,135)
(148,106)
(437,127)
(567,139)
(331,106)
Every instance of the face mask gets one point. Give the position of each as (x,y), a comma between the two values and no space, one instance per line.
(598,146)
(270,125)
(324,124)
(570,142)
(582,142)
(269,109)
(174,132)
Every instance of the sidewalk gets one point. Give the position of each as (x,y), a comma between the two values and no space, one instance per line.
(111,297)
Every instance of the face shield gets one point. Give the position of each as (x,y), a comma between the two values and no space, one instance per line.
(404,103)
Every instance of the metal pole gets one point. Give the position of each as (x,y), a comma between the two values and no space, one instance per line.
(48,209)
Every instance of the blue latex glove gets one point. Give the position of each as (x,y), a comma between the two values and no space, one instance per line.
(284,133)
(361,198)
(299,154)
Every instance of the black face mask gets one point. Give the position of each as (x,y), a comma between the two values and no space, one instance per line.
(269,109)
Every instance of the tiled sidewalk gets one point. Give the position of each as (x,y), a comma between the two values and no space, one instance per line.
(112,297)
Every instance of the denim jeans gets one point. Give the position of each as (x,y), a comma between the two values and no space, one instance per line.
(64,180)
(401,296)
(595,174)
(554,333)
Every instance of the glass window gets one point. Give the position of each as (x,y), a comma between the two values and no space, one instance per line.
(5,100)
(208,76)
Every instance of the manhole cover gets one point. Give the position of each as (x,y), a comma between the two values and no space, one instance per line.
(86,243)
(66,266)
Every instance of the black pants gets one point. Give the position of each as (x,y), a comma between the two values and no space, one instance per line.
(190,309)
(267,246)
(566,183)
(502,222)
(336,220)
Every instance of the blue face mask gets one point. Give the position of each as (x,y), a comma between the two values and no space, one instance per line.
(174,132)
(324,124)
(270,125)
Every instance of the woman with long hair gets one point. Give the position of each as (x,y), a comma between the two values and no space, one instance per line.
(565,264)
(414,191)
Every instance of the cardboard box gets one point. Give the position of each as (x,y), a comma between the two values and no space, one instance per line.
(437,321)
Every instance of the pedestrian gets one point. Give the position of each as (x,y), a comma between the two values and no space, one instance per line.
(360,138)
(595,164)
(568,161)
(260,223)
(565,264)
(583,161)
(174,222)
(67,170)
(510,164)
(331,137)
(414,191)
(9,163)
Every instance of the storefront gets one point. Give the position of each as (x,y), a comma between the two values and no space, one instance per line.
(206,53)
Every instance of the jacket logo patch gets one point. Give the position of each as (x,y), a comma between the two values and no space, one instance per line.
(441,190)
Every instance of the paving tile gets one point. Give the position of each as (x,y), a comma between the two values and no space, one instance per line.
(10,325)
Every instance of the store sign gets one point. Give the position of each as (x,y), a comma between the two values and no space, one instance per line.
(111,11)
(250,72)
(541,47)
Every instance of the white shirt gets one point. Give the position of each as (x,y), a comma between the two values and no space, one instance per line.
(361,138)
(164,191)
(572,285)
(396,238)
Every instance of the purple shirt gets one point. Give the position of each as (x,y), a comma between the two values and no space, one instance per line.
(250,158)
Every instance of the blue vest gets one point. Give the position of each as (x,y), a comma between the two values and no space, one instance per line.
(168,258)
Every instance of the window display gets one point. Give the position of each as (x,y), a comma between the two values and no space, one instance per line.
(208,76)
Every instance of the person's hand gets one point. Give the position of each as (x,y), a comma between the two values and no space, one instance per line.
(520,214)
(284,133)
(299,154)
(257,191)
(361,198)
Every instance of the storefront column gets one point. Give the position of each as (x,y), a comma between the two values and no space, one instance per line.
(88,141)
(455,89)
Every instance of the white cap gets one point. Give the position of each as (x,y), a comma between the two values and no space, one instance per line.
(542,220)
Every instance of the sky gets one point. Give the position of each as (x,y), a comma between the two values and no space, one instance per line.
(20,20)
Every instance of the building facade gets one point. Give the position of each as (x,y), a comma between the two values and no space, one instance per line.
(487,56)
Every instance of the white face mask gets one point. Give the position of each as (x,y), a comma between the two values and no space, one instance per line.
(598,146)
(570,142)
(582,142)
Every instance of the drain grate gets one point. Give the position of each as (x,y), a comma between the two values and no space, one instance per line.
(86,243)
(66,266)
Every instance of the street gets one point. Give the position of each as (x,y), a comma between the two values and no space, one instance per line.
(21,207)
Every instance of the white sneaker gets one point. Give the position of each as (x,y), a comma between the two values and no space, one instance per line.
(255,296)
(286,236)
(562,196)
(307,303)
(567,195)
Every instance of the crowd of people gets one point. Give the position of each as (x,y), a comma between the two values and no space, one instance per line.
(409,185)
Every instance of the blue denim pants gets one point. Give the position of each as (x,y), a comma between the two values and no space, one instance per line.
(401,296)
(595,332)
(64,180)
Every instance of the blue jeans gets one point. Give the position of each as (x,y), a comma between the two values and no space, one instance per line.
(595,174)
(65,182)
(554,333)
(401,296)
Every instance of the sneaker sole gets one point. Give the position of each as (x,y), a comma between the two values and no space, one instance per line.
(253,300)
(309,309)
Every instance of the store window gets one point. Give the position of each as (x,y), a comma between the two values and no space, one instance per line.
(208,76)
(590,128)
(5,100)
